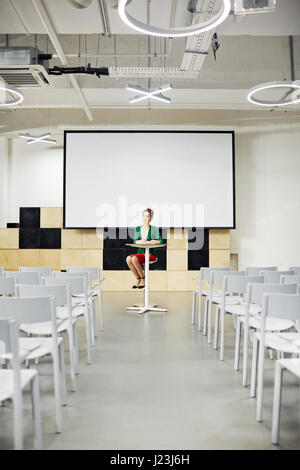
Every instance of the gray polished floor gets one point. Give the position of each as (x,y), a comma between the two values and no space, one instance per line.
(155,383)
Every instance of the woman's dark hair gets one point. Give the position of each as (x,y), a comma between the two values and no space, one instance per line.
(150,212)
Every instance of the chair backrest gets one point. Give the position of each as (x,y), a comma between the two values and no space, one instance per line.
(255,291)
(272,277)
(78,284)
(205,272)
(255,271)
(238,284)
(281,306)
(296,270)
(290,279)
(24,278)
(94,272)
(61,293)
(43,271)
(7,286)
(28,310)
(85,274)
(9,339)
(1,271)
(217,276)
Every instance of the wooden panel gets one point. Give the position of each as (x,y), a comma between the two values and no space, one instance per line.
(219,239)
(177,239)
(71,239)
(71,258)
(9,259)
(9,238)
(193,285)
(177,281)
(158,281)
(92,239)
(219,258)
(116,281)
(29,258)
(177,260)
(92,258)
(51,258)
(51,217)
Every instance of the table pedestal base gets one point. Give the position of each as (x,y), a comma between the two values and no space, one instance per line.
(146,308)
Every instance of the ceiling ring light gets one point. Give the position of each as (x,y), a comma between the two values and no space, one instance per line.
(271,85)
(18,97)
(217,19)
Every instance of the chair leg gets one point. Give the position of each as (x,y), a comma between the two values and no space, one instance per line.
(35,399)
(209,323)
(94,317)
(205,316)
(237,344)
(100,307)
(277,403)
(222,338)
(72,357)
(92,324)
(254,368)
(200,312)
(62,372)
(216,332)
(88,336)
(18,420)
(245,357)
(76,358)
(57,391)
(260,381)
(193,307)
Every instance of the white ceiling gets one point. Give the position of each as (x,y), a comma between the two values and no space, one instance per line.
(253,49)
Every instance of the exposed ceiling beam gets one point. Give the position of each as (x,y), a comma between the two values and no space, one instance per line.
(104,17)
(14,8)
(43,14)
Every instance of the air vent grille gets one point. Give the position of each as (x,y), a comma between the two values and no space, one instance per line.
(25,77)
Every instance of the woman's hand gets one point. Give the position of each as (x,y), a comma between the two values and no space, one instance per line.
(154,242)
(142,242)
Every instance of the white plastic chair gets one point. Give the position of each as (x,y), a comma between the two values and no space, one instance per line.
(203,291)
(7,286)
(296,269)
(63,301)
(215,298)
(255,271)
(293,366)
(14,380)
(290,279)
(95,290)
(236,287)
(43,271)
(1,271)
(271,277)
(279,306)
(37,310)
(251,320)
(24,278)
(78,285)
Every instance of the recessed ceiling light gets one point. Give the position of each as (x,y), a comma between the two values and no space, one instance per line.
(274,85)
(17,95)
(198,28)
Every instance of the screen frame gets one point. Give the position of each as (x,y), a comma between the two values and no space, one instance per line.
(117,131)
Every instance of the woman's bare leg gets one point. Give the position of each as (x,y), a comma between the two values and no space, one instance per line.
(129,262)
(137,265)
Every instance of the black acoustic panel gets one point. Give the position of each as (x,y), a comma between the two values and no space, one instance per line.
(29,238)
(50,238)
(198,259)
(30,217)
(114,259)
(115,238)
(198,238)
(12,225)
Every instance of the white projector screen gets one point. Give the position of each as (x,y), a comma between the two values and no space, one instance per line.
(187,178)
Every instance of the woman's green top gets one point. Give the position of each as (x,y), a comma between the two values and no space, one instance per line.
(153,234)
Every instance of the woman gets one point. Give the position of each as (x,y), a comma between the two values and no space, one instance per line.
(144,234)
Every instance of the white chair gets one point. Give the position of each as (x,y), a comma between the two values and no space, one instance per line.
(7,286)
(278,306)
(215,298)
(43,271)
(1,271)
(255,271)
(63,301)
(296,269)
(14,380)
(251,320)
(203,291)
(236,287)
(271,277)
(78,285)
(95,289)
(24,278)
(293,366)
(37,310)
(290,279)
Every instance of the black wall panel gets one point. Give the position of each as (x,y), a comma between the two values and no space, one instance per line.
(30,217)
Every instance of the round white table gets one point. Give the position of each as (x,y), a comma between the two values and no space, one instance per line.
(146,307)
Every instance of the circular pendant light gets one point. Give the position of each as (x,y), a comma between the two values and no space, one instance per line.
(217,19)
(273,85)
(17,95)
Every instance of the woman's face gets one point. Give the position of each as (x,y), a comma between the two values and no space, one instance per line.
(146,217)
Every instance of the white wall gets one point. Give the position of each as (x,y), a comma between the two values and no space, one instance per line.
(35,173)
(267,199)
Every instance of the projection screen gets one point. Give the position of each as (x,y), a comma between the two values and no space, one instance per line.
(187,178)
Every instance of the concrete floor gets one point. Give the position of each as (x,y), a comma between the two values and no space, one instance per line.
(155,383)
